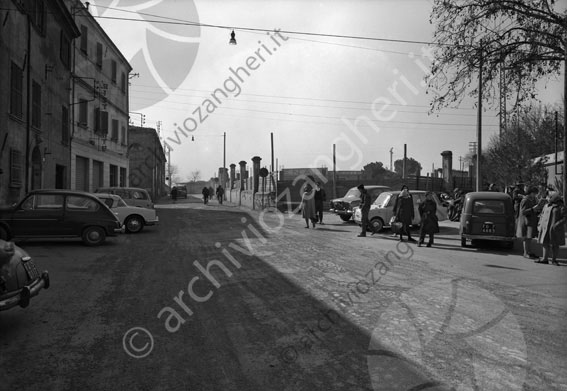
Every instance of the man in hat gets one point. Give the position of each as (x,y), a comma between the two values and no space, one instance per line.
(526,224)
(365,202)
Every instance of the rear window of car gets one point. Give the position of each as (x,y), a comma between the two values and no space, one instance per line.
(138,195)
(489,207)
(81,203)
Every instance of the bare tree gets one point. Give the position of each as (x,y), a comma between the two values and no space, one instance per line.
(523,39)
(173,173)
(195,176)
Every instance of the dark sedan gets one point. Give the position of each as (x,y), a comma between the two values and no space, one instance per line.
(59,213)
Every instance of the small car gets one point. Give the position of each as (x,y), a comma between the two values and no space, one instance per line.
(133,196)
(133,218)
(20,279)
(181,191)
(59,214)
(487,215)
(382,210)
(344,207)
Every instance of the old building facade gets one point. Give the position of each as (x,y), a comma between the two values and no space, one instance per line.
(35,64)
(147,161)
(99,101)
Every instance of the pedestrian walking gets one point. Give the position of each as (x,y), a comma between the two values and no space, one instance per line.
(403,210)
(551,228)
(365,202)
(308,206)
(517,196)
(528,219)
(205,193)
(174,194)
(211,192)
(429,223)
(320,198)
(220,194)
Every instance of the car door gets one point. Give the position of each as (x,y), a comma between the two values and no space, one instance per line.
(81,211)
(38,215)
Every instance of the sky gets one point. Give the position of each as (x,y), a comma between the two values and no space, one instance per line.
(366,97)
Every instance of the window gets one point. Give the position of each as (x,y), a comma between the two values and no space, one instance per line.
(84,39)
(37,15)
(114,131)
(16,92)
(123,83)
(43,202)
(83,112)
(36,105)
(122,177)
(80,203)
(489,207)
(123,136)
(113,70)
(15,168)
(99,54)
(101,121)
(65,50)
(113,175)
(64,125)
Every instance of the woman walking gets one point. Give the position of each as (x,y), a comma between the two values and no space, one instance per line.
(308,206)
(429,223)
(551,229)
(403,210)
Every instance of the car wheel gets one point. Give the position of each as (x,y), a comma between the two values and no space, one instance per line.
(93,236)
(463,241)
(4,235)
(134,224)
(345,217)
(376,224)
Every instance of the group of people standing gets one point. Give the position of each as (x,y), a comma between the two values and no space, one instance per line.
(543,214)
(312,204)
(312,211)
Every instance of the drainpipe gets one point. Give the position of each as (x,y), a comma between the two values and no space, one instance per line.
(28,109)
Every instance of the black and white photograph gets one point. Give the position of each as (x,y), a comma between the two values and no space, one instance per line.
(286,195)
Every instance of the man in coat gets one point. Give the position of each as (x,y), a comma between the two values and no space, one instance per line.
(429,222)
(365,202)
(320,197)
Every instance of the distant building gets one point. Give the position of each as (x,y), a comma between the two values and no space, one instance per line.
(554,167)
(99,101)
(147,161)
(35,64)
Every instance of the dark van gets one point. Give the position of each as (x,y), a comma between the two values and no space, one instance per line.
(487,216)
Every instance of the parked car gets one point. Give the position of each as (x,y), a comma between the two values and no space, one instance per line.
(59,213)
(133,218)
(133,196)
(181,191)
(487,215)
(20,279)
(344,206)
(382,210)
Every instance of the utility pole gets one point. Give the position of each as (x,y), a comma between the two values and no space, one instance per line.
(479,123)
(391,158)
(564,176)
(334,171)
(404,161)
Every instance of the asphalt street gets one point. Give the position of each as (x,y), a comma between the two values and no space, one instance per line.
(222,298)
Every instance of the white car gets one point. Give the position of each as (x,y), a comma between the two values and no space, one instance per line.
(382,210)
(133,218)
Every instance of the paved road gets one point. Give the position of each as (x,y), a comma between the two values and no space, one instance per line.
(237,300)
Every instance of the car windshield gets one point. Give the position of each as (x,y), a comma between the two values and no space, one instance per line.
(382,200)
(352,193)
(489,207)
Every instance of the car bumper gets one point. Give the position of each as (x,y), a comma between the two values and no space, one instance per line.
(120,230)
(341,211)
(22,296)
(153,222)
